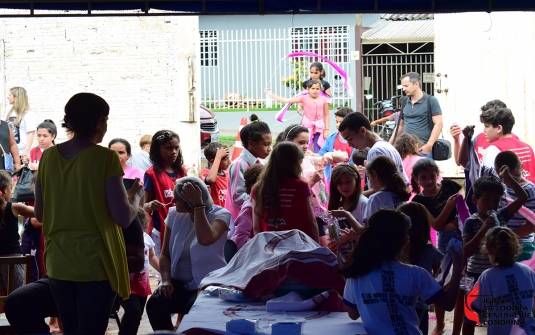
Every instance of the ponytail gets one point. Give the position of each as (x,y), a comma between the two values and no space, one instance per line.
(387,171)
(504,245)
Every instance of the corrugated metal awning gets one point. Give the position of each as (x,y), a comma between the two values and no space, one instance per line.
(400,30)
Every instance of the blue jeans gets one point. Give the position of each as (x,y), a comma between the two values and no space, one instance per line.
(429,155)
(84,307)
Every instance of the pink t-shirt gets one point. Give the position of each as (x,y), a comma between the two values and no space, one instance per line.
(313,108)
(131,172)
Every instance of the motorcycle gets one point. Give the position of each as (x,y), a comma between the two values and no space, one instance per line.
(386,107)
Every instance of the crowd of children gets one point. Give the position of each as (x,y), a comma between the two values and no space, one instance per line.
(387,248)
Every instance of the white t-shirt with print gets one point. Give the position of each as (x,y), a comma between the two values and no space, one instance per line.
(503,293)
(386,297)
(27,125)
(381,200)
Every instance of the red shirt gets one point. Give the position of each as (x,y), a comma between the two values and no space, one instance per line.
(35,155)
(523,151)
(218,190)
(294,195)
(339,146)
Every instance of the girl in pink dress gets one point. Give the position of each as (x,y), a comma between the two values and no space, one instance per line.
(316,116)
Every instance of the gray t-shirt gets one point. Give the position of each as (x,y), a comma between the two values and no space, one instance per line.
(416,117)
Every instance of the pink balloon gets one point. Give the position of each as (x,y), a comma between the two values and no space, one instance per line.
(337,68)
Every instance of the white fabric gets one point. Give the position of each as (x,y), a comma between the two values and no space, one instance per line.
(269,251)
(383,148)
(381,200)
(386,297)
(487,166)
(203,258)
(503,293)
(360,211)
(27,124)
(292,302)
(213,313)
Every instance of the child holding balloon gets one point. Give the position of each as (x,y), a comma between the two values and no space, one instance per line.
(521,225)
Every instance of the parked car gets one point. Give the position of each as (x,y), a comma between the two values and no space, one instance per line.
(209,127)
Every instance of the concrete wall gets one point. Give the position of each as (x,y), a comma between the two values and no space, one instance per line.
(486,57)
(138,64)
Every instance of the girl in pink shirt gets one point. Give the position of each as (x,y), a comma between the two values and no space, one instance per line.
(316,116)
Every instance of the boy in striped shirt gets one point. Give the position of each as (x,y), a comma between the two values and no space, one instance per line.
(522,228)
(488,192)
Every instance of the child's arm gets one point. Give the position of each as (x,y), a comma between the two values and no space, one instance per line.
(214,169)
(521,195)
(153,260)
(22,210)
(166,288)
(439,223)
(257,222)
(312,220)
(471,243)
(355,225)
(376,122)
(463,155)
(525,229)
(282,99)
(326,119)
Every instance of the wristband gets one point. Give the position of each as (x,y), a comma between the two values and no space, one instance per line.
(199,206)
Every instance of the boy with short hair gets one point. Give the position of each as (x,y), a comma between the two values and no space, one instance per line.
(357,131)
(521,227)
(487,194)
(498,125)
(470,152)
(336,149)
(215,175)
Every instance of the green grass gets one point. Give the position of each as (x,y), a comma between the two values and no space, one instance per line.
(263,109)
(227,140)
(252,110)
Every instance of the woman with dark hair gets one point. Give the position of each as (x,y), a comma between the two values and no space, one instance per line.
(124,150)
(80,184)
(193,246)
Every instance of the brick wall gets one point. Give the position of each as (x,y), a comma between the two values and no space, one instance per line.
(138,64)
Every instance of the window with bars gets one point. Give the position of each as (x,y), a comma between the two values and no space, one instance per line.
(209,47)
(328,41)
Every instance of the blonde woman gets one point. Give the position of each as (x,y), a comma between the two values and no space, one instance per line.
(21,119)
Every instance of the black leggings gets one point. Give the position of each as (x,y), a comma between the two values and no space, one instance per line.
(27,307)
(159,309)
(133,311)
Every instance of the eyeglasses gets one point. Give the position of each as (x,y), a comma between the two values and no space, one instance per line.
(165,136)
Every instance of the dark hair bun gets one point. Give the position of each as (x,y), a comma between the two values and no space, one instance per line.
(253,117)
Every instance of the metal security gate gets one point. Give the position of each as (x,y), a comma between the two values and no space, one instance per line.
(383,64)
(238,65)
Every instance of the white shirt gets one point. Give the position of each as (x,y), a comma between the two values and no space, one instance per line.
(204,259)
(381,200)
(503,292)
(27,125)
(386,297)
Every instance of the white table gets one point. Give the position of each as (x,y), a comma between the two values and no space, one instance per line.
(213,313)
